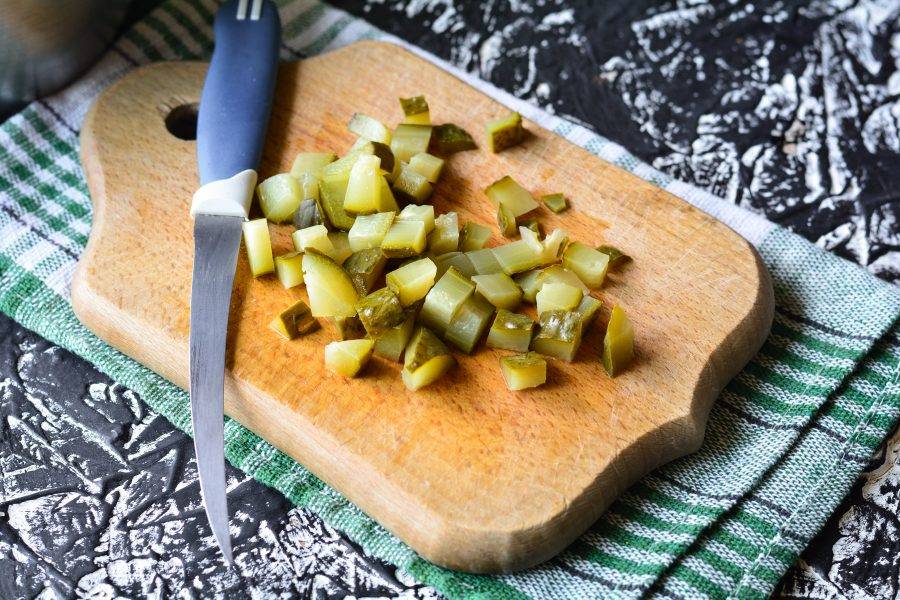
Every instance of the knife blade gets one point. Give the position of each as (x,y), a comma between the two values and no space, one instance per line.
(231,126)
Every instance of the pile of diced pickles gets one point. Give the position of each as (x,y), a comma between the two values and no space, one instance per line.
(406,284)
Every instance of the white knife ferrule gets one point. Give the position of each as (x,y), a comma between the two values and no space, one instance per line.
(226,197)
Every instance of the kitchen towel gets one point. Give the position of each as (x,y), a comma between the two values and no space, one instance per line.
(784,443)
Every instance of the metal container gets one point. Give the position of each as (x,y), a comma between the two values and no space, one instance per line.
(45,44)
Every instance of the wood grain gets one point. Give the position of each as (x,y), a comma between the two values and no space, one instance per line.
(472,476)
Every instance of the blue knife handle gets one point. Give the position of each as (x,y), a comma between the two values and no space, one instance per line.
(237,92)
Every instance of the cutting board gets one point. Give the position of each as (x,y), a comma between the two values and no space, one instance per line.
(470,475)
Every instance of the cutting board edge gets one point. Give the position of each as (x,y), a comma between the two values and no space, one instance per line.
(443,548)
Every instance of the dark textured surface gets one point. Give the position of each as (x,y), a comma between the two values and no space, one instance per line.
(788,108)
(100,499)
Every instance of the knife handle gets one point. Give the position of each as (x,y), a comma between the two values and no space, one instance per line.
(236,99)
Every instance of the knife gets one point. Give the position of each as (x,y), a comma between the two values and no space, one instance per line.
(231,127)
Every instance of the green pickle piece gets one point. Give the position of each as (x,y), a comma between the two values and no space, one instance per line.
(313,240)
(371,129)
(289,270)
(555,202)
(259,246)
(368,231)
(311,163)
(309,213)
(363,193)
(412,281)
(516,198)
(506,221)
(505,133)
(294,321)
(415,212)
(348,357)
(499,289)
(587,310)
(523,371)
(364,268)
(411,186)
(379,311)
(404,239)
(560,274)
(532,225)
(340,241)
(517,257)
(409,140)
(473,236)
(510,331)
(331,197)
(588,263)
(445,237)
(391,343)
(279,196)
(559,334)
(484,261)
(530,284)
(331,291)
(426,359)
(616,256)
(444,300)
(449,138)
(469,323)
(415,110)
(348,328)
(618,343)
(427,165)
(558,296)
(460,261)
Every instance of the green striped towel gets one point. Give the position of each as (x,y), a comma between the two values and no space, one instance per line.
(784,443)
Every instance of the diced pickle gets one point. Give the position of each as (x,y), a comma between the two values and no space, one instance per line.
(449,138)
(505,133)
(444,300)
(404,239)
(423,213)
(510,331)
(380,311)
(409,140)
(533,225)
(457,260)
(445,237)
(259,247)
(484,261)
(368,231)
(616,256)
(589,264)
(473,236)
(309,213)
(279,196)
(363,195)
(294,321)
(387,201)
(618,343)
(313,239)
(390,344)
(331,292)
(469,324)
(427,165)
(499,289)
(587,310)
(523,371)
(415,110)
(331,197)
(366,127)
(506,221)
(340,169)
(289,270)
(309,186)
(411,187)
(558,296)
(340,240)
(559,334)
(425,360)
(530,237)
(364,268)
(311,163)
(348,328)
(530,285)
(412,281)
(348,357)
(506,191)
(385,156)
(517,257)
(560,274)
(555,202)
(554,245)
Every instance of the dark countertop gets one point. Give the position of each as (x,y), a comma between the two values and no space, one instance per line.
(789,110)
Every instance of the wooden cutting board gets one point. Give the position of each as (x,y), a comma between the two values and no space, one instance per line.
(472,476)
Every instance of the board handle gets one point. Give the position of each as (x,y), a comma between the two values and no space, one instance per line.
(237,92)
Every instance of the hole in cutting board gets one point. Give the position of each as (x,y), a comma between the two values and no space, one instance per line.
(182,121)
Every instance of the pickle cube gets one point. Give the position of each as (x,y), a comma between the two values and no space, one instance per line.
(404,239)
(414,212)
(411,186)
(560,274)
(554,245)
(499,289)
(412,281)
(454,259)
(618,343)
(555,202)
(523,371)
(379,311)
(588,263)
(444,300)
(259,247)
(587,310)
(506,191)
(427,165)
(616,256)
(340,241)
(529,283)
(331,291)
(371,129)
(348,357)
(445,237)
(558,296)
(469,324)
(309,213)
(289,270)
(449,138)
(473,236)
(348,328)
(484,261)
(559,334)
(331,197)
(311,163)
(506,221)
(510,331)
(279,196)
(426,359)
(313,240)
(363,195)
(409,140)
(368,231)
(294,321)
(517,257)
(390,344)
(364,268)
(505,133)
(415,110)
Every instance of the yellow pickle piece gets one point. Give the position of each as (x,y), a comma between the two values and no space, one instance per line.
(510,331)
(348,357)
(559,334)
(523,371)
(505,133)
(426,359)
(294,321)
(618,343)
